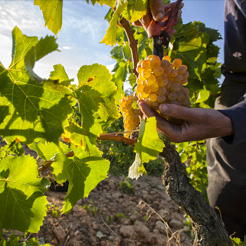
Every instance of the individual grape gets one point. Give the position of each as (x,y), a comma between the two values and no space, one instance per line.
(173,73)
(139,69)
(155,63)
(139,81)
(139,88)
(178,79)
(146,74)
(182,69)
(158,72)
(161,99)
(143,95)
(165,64)
(147,90)
(162,91)
(180,96)
(151,57)
(172,96)
(184,81)
(153,97)
(154,88)
(168,58)
(186,102)
(186,91)
(186,74)
(162,81)
(155,105)
(175,87)
(140,76)
(177,62)
(152,79)
(145,64)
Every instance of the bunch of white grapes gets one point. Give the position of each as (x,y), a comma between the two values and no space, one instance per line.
(160,81)
(130,114)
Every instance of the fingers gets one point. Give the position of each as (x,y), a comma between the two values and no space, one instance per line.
(178,112)
(145,108)
(172,132)
(157,9)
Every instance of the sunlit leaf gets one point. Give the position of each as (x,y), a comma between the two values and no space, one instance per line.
(52,13)
(83,171)
(31,110)
(22,205)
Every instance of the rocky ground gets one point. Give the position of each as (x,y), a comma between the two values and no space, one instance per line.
(117,213)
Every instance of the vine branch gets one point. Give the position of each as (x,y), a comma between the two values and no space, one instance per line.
(118,137)
(207,225)
(132,43)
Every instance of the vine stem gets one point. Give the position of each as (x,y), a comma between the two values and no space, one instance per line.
(107,136)
(132,43)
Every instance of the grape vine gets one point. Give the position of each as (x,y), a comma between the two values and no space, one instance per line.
(41,112)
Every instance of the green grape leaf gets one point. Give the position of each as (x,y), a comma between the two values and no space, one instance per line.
(52,13)
(22,204)
(136,9)
(96,96)
(203,96)
(110,3)
(110,36)
(32,110)
(149,144)
(44,47)
(59,74)
(193,55)
(121,72)
(48,151)
(83,171)
(117,53)
(147,148)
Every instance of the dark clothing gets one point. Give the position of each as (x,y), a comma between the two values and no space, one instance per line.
(234,66)
(226,157)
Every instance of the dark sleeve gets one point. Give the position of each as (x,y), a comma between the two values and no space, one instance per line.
(237,114)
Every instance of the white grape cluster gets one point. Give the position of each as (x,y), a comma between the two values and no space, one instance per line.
(160,81)
(130,114)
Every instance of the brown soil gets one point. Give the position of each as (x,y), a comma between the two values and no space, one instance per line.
(112,216)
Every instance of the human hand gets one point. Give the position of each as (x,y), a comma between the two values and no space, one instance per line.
(156,17)
(198,123)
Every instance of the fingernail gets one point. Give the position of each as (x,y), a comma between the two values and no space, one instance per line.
(159,16)
(163,108)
